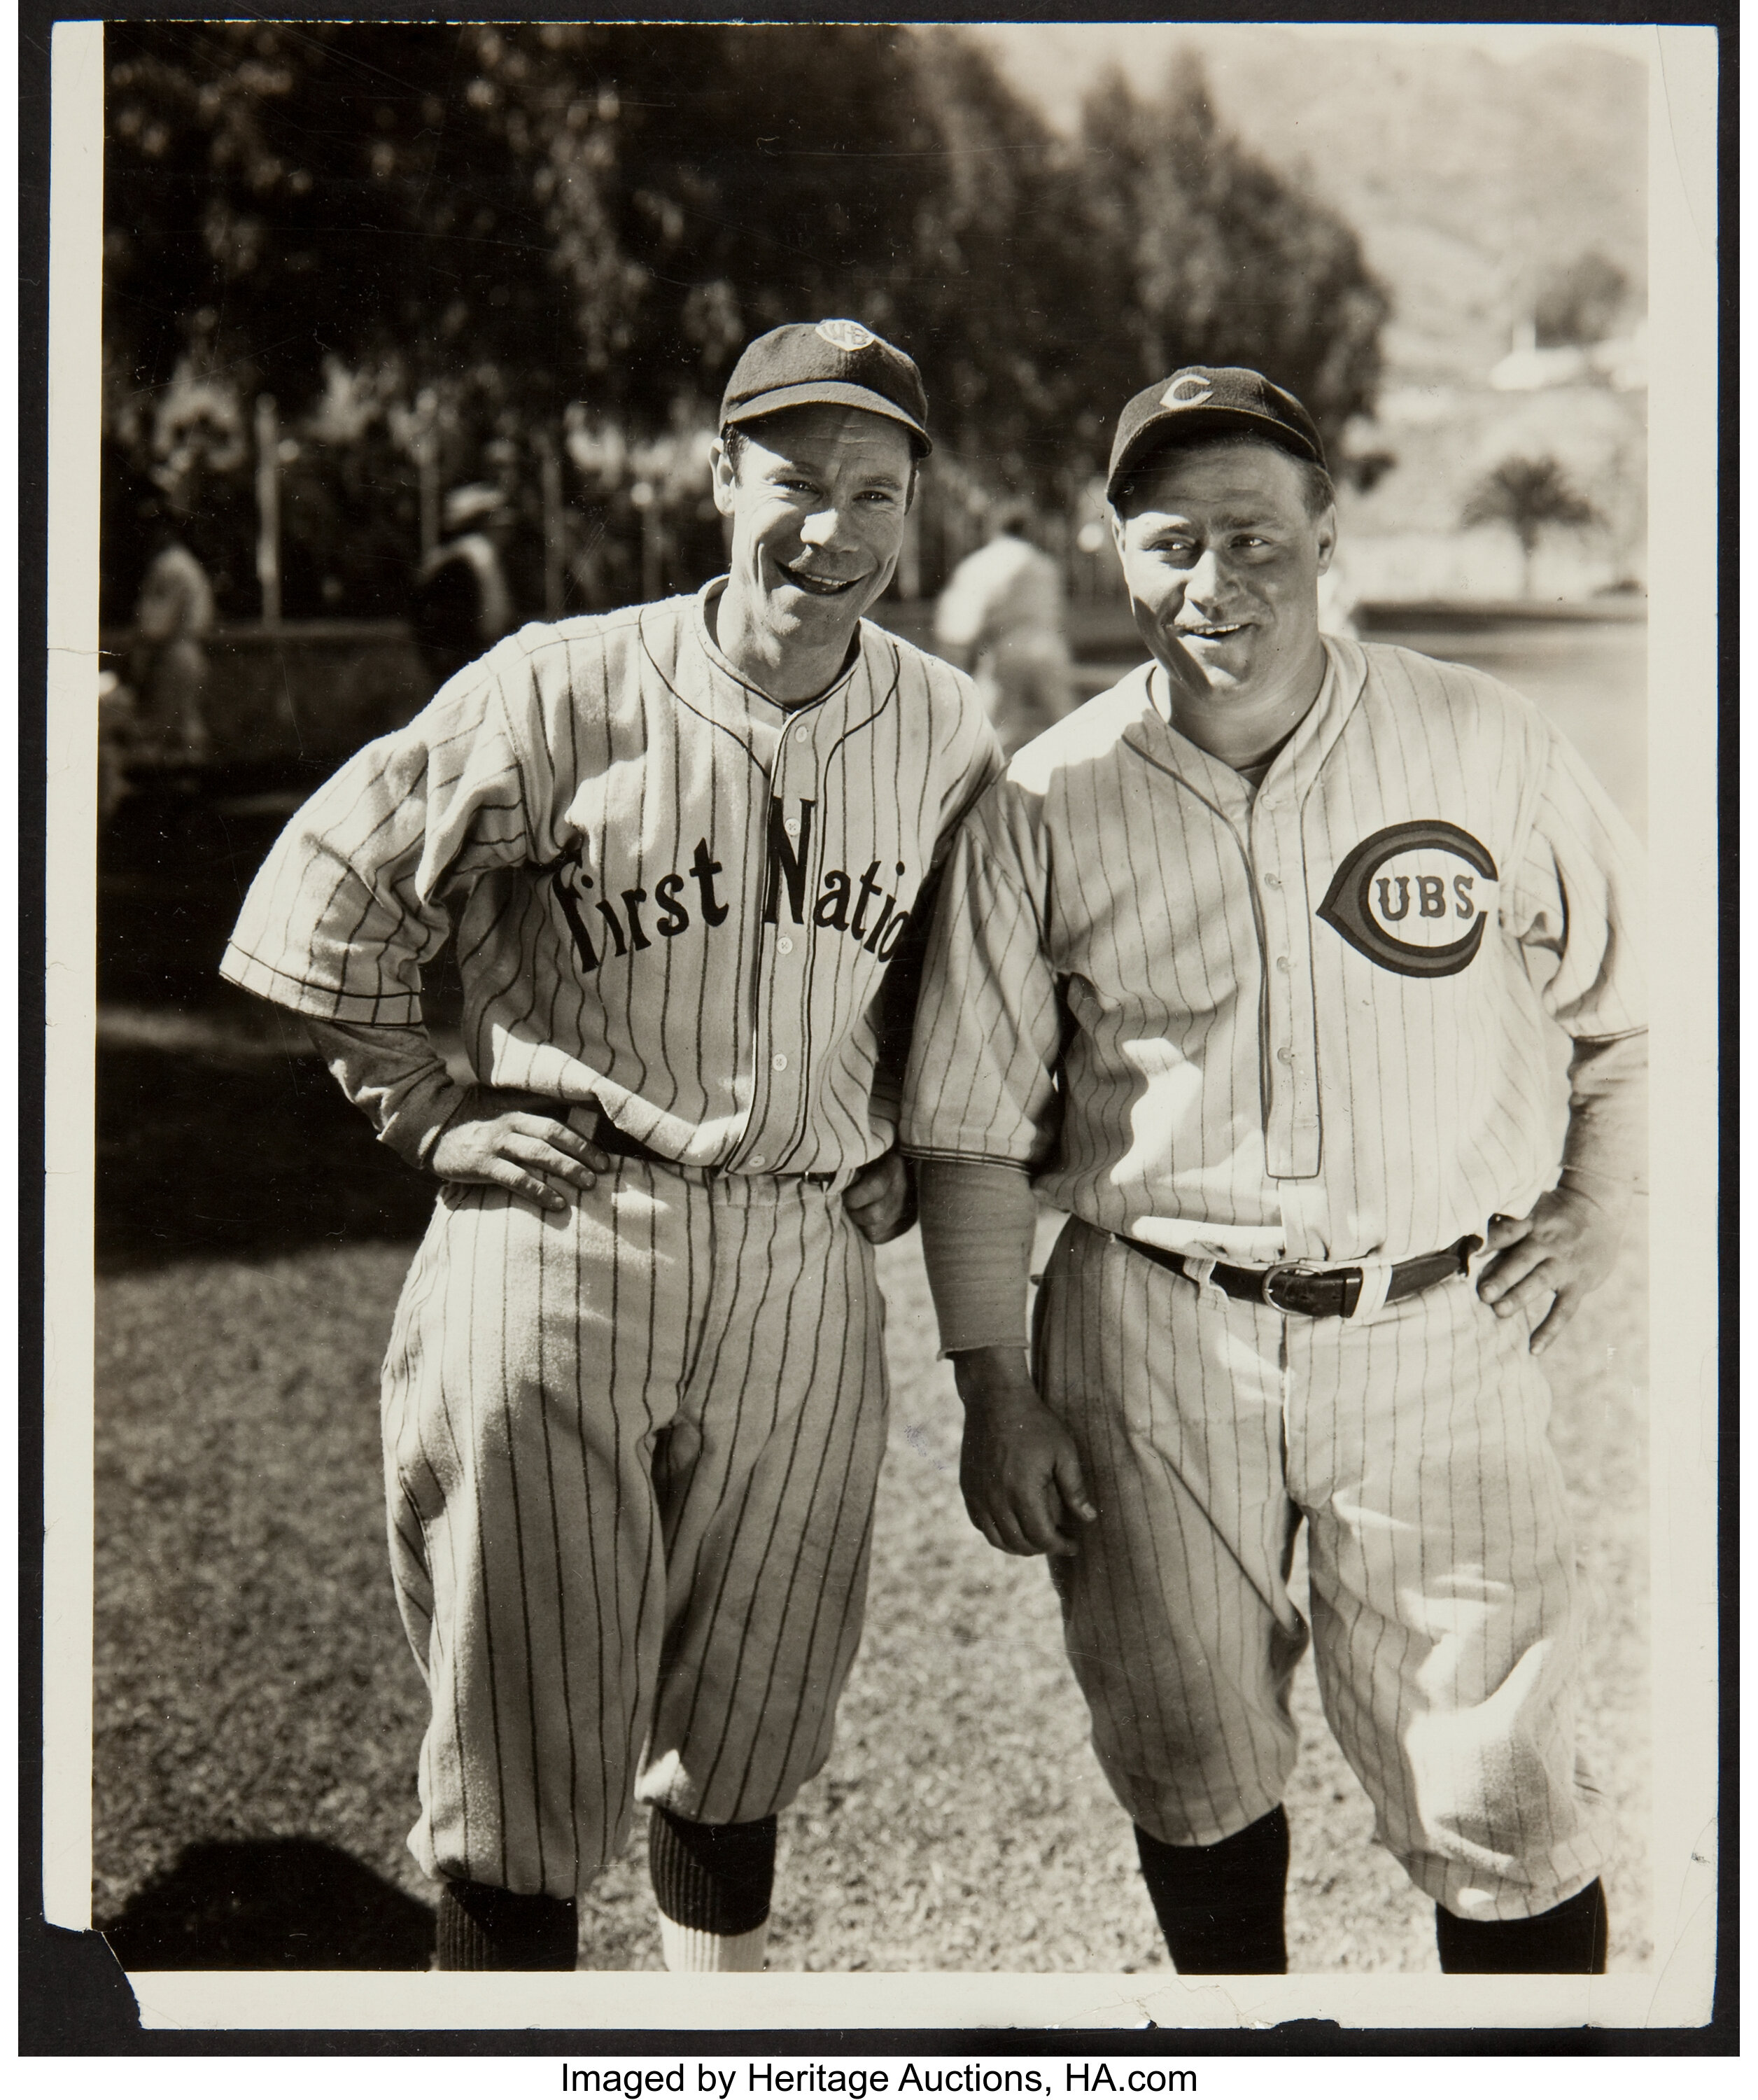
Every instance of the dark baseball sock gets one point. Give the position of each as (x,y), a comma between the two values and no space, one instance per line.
(481,1927)
(1568,1941)
(712,1877)
(1220,1906)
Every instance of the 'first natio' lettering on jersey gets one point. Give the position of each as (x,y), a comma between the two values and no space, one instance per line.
(668,893)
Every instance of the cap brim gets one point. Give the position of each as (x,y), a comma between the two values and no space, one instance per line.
(1157,427)
(834,393)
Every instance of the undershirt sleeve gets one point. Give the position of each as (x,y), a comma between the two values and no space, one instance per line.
(978,1220)
(1605,1150)
(393,1075)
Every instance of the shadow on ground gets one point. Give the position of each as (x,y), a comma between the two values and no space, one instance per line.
(253,1156)
(275,1903)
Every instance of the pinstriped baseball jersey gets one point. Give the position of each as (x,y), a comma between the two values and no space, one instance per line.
(671,895)
(1312,1022)
(1308,1023)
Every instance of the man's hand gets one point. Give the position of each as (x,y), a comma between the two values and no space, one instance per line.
(514,1140)
(1563,1252)
(1019,1469)
(881,1198)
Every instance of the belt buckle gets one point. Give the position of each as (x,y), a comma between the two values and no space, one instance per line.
(1273,1276)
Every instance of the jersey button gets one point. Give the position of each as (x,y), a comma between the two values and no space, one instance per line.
(802,736)
(1281,962)
(791,827)
(1284,1057)
(784,947)
(756,1159)
(1272,880)
(779,1062)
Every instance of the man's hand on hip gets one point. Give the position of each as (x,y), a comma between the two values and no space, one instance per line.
(514,1140)
(1562,1250)
(1019,1470)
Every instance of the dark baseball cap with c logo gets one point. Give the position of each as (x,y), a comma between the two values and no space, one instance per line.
(1200,397)
(837,362)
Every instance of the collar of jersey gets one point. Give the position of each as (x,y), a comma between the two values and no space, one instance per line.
(1346,671)
(789,711)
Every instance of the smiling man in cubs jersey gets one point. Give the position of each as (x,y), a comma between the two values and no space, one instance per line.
(634,1403)
(1254,965)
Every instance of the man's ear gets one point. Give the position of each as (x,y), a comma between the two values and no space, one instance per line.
(723,474)
(1327,532)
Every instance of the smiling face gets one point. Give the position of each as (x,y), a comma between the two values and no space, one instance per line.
(817,498)
(1223,557)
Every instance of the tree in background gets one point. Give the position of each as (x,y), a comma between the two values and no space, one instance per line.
(1528,496)
(460,252)
(1581,303)
(1216,259)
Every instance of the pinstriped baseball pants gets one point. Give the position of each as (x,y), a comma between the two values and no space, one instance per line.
(631,1453)
(1444,1617)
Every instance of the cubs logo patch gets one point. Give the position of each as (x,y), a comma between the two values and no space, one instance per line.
(1412,898)
(1188,392)
(846,335)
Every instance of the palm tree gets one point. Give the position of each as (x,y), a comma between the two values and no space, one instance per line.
(1526,495)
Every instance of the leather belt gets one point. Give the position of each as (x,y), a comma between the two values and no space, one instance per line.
(1322,1293)
(608,1138)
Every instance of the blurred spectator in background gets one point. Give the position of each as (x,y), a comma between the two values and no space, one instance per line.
(168,661)
(1000,617)
(117,721)
(462,605)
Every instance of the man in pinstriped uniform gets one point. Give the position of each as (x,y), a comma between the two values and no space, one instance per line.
(1254,965)
(634,1401)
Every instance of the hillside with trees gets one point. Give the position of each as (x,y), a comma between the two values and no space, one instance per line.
(529,254)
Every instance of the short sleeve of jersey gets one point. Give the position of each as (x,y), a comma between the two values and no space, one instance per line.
(1576,901)
(980,1083)
(349,902)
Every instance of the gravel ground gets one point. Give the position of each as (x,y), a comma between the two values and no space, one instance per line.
(259,1711)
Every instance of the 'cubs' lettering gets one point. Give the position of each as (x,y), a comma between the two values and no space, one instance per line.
(787,861)
(1362,904)
(1386,897)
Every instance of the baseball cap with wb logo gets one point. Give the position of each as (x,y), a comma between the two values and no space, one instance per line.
(1209,397)
(837,362)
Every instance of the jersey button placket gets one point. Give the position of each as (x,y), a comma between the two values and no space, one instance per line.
(787,949)
(1275,943)
(793,784)
(1295,983)
(1276,838)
